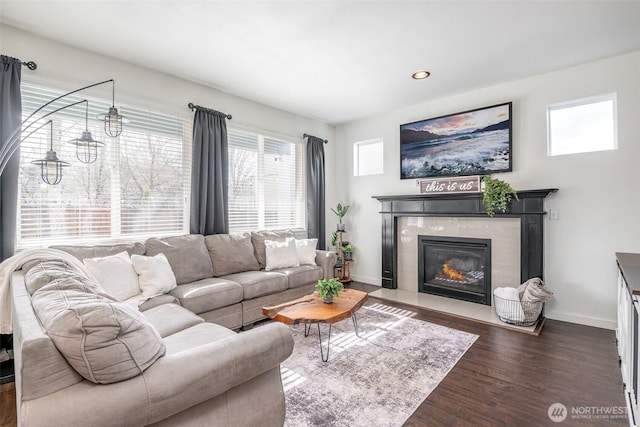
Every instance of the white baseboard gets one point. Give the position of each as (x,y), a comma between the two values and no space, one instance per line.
(583,320)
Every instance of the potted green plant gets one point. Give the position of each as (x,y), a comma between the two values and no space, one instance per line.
(348,251)
(497,195)
(340,211)
(334,241)
(329,288)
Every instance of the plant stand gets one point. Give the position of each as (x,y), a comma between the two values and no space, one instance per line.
(342,273)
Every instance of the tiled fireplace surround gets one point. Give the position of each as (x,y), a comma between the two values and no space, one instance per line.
(504,234)
(516,244)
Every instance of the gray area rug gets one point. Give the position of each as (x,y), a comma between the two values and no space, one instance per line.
(379,379)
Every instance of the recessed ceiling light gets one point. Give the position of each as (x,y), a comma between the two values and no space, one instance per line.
(422,74)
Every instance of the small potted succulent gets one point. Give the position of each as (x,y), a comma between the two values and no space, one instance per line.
(348,251)
(334,242)
(329,288)
(340,211)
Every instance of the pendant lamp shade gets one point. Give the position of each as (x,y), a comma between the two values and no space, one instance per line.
(113,120)
(51,166)
(86,146)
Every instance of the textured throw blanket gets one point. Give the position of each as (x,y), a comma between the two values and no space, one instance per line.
(534,290)
(15,263)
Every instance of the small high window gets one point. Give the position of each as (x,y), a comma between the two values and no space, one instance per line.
(582,125)
(368,157)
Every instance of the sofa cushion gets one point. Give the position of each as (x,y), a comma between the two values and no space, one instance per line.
(187,256)
(208,294)
(171,318)
(302,275)
(231,253)
(258,238)
(307,251)
(39,273)
(95,251)
(148,303)
(104,340)
(155,276)
(258,283)
(196,336)
(115,274)
(281,254)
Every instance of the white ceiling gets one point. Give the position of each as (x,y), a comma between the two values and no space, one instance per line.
(338,61)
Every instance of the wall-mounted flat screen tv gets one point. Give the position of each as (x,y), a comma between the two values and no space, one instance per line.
(475,142)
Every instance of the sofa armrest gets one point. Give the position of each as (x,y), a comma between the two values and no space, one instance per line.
(326,260)
(205,371)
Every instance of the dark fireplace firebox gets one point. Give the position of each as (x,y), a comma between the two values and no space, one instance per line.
(455,267)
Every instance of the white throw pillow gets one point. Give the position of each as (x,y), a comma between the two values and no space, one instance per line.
(154,274)
(115,274)
(306,249)
(281,254)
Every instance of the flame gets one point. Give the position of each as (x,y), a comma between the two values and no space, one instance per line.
(450,272)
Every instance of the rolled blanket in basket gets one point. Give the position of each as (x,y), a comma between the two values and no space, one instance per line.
(534,290)
(533,293)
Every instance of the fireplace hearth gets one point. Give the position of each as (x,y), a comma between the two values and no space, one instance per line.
(455,267)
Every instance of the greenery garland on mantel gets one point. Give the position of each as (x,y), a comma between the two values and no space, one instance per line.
(497,195)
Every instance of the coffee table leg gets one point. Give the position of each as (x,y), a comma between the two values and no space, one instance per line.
(328,343)
(307,329)
(355,324)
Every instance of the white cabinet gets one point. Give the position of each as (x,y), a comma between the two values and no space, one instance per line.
(624,331)
(628,331)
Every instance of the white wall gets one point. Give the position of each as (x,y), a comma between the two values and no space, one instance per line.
(598,199)
(65,67)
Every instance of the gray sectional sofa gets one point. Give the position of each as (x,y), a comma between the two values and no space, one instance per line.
(222,277)
(83,357)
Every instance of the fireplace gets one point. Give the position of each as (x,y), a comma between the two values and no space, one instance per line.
(455,267)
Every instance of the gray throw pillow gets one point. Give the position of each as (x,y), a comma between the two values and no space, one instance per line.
(39,273)
(231,253)
(104,340)
(98,251)
(187,256)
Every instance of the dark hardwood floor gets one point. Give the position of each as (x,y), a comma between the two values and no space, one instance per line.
(506,378)
(509,378)
(8,405)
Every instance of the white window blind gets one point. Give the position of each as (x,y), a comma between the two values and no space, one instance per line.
(266,182)
(138,187)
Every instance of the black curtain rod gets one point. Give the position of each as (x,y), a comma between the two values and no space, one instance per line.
(30,65)
(192,107)
(307,135)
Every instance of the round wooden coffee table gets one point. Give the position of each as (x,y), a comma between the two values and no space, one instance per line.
(310,309)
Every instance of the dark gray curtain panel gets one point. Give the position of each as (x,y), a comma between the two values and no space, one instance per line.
(10,120)
(315,190)
(209,174)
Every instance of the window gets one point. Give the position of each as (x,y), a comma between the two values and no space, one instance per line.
(368,157)
(266,182)
(138,187)
(582,125)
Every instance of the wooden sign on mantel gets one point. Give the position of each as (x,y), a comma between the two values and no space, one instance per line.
(458,184)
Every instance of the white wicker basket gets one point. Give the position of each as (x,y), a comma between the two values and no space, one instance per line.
(520,313)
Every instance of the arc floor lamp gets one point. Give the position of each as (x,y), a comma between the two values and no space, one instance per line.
(86,147)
